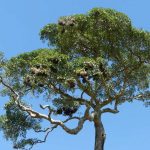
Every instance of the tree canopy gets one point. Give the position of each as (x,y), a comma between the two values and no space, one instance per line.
(96,61)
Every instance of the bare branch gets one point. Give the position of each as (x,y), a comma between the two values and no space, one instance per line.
(143,97)
(85,89)
(44,130)
(56,123)
(26,90)
(116,97)
(79,126)
(79,100)
(31,112)
(89,92)
(48,130)
(35,114)
(15,94)
(49,109)
(114,111)
(82,95)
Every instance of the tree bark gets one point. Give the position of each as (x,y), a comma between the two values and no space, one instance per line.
(99,134)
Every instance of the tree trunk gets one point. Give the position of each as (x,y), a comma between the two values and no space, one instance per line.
(99,135)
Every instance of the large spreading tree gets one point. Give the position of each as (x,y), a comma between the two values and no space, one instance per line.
(95,62)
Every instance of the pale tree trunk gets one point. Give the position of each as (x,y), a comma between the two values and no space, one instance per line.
(99,134)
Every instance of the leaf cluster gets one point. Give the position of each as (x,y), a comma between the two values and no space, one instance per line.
(15,124)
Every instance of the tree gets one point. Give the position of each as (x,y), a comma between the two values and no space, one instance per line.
(95,62)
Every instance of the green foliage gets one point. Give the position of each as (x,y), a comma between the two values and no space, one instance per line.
(99,54)
(90,35)
(35,69)
(24,142)
(102,38)
(101,48)
(15,124)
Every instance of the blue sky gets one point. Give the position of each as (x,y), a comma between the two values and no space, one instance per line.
(21,21)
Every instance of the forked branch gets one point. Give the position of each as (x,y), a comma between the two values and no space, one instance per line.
(35,114)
